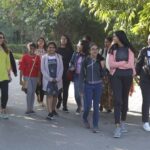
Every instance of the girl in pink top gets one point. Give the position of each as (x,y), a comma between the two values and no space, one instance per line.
(121,65)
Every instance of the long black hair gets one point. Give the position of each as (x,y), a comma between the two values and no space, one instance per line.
(45,45)
(86,46)
(4,46)
(123,39)
(69,43)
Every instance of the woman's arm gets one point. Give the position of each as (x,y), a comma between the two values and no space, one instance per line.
(43,70)
(113,63)
(139,62)
(61,69)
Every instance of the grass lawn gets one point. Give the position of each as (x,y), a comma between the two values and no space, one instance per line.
(17,55)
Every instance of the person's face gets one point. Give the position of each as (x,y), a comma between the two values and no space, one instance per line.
(51,49)
(79,47)
(148,41)
(32,50)
(94,51)
(115,39)
(40,43)
(107,43)
(63,40)
(1,39)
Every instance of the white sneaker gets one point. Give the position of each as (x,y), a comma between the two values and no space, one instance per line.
(123,127)
(146,126)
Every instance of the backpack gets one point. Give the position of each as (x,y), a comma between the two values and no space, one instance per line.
(146,66)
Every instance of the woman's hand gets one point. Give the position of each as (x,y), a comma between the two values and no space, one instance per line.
(54,80)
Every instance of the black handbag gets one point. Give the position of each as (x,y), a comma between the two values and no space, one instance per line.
(122,54)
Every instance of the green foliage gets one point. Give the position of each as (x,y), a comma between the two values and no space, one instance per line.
(129,15)
(17,55)
(17,48)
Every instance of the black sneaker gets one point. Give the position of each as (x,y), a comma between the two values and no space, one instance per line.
(109,111)
(78,111)
(65,110)
(58,105)
(101,108)
(55,113)
(50,116)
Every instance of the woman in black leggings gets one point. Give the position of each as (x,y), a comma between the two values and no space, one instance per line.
(121,63)
(5,67)
(66,51)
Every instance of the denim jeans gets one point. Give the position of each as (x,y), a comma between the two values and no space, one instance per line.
(92,92)
(77,91)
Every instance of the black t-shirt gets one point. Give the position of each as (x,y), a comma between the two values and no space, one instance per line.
(122,54)
(66,57)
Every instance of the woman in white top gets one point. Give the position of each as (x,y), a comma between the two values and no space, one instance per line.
(52,70)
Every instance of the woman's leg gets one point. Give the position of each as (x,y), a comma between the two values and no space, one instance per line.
(117,94)
(49,103)
(88,94)
(126,81)
(77,92)
(97,92)
(54,104)
(145,88)
(4,94)
(34,85)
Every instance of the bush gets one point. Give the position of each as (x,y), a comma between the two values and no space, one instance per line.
(17,48)
(17,55)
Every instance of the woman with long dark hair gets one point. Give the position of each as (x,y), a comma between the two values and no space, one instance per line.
(107,99)
(41,50)
(75,65)
(4,74)
(143,70)
(66,51)
(122,69)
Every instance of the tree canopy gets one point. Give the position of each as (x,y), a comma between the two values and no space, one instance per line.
(27,20)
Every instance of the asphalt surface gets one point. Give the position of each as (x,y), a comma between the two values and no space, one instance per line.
(66,132)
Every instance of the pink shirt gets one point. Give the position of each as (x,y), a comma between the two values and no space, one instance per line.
(113,64)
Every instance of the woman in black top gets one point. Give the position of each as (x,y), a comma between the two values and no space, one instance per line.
(143,70)
(66,51)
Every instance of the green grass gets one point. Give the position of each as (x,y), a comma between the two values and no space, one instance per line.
(17,55)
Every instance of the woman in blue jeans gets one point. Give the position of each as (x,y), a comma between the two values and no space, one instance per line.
(91,75)
(75,65)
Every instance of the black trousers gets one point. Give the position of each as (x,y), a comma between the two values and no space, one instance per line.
(121,87)
(4,93)
(145,88)
(63,96)
(39,90)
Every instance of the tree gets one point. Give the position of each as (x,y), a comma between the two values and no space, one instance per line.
(125,14)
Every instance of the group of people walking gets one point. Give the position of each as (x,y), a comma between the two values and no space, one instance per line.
(102,79)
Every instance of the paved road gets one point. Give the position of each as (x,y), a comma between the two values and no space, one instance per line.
(66,132)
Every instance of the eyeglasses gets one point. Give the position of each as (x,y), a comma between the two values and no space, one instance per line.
(1,37)
(51,47)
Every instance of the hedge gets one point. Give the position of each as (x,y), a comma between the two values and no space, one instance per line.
(17,48)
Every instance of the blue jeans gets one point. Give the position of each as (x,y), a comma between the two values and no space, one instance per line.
(92,92)
(77,90)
